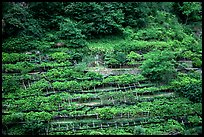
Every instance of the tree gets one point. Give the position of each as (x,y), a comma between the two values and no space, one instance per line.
(158,66)
(133,57)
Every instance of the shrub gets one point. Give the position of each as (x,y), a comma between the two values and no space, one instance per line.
(133,57)
(19,20)
(123,79)
(13,57)
(22,67)
(70,32)
(197,62)
(60,56)
(94,75)
(17,44)
(105,113)
(115,59)
(158,66)
(138,130)
(70,85)
(188,87)
(10,84)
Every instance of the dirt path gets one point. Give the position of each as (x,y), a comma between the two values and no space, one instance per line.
(88,104)
(114,71)
(158,95)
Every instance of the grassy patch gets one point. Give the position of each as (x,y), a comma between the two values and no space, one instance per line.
(105,44)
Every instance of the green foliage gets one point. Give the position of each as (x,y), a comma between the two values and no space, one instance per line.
(103,18)
(17,44)
(141,46)
(38,116)
(195,120)
(191,10)
(13,57)
(48,13)
(120,33)
(22,67)
(197,62)
(105,113)
(40,85)
(19,21)
(89,84)
(67,73)
(60,56)
(188,87)
(70,32)
(10,84)
(15,117)
(70,85)
(138,130)
(115,59)
(41,45)
(170,126)
(110,60)
(193,131)
(158,66)
(16,130)
(94,75)
(133,57)
(33,127)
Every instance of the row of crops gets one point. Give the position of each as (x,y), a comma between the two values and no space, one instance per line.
(44,94)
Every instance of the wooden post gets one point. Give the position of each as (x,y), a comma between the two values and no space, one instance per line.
(136,96)
(28,83)
(59,126)
(47,129)
(69,102)
(47,90)
(116,125)
(73,127)
(94,89)
(24,85)
(40,58)
(113,100)
(125,98)
(67,127)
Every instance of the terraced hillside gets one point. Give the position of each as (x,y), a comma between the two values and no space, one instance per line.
(62,99)
(122,69)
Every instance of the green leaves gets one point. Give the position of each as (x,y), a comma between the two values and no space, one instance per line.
(70,31)
(105,113)
(13,57)
(60,56)
(191,10)
(22,67)
(115,59)
(70,85)
(159,66)
(38,116)
(188,87)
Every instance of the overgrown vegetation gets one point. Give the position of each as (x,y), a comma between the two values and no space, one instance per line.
(101,68)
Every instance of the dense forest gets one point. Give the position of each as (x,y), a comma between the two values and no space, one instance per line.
(101,68)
